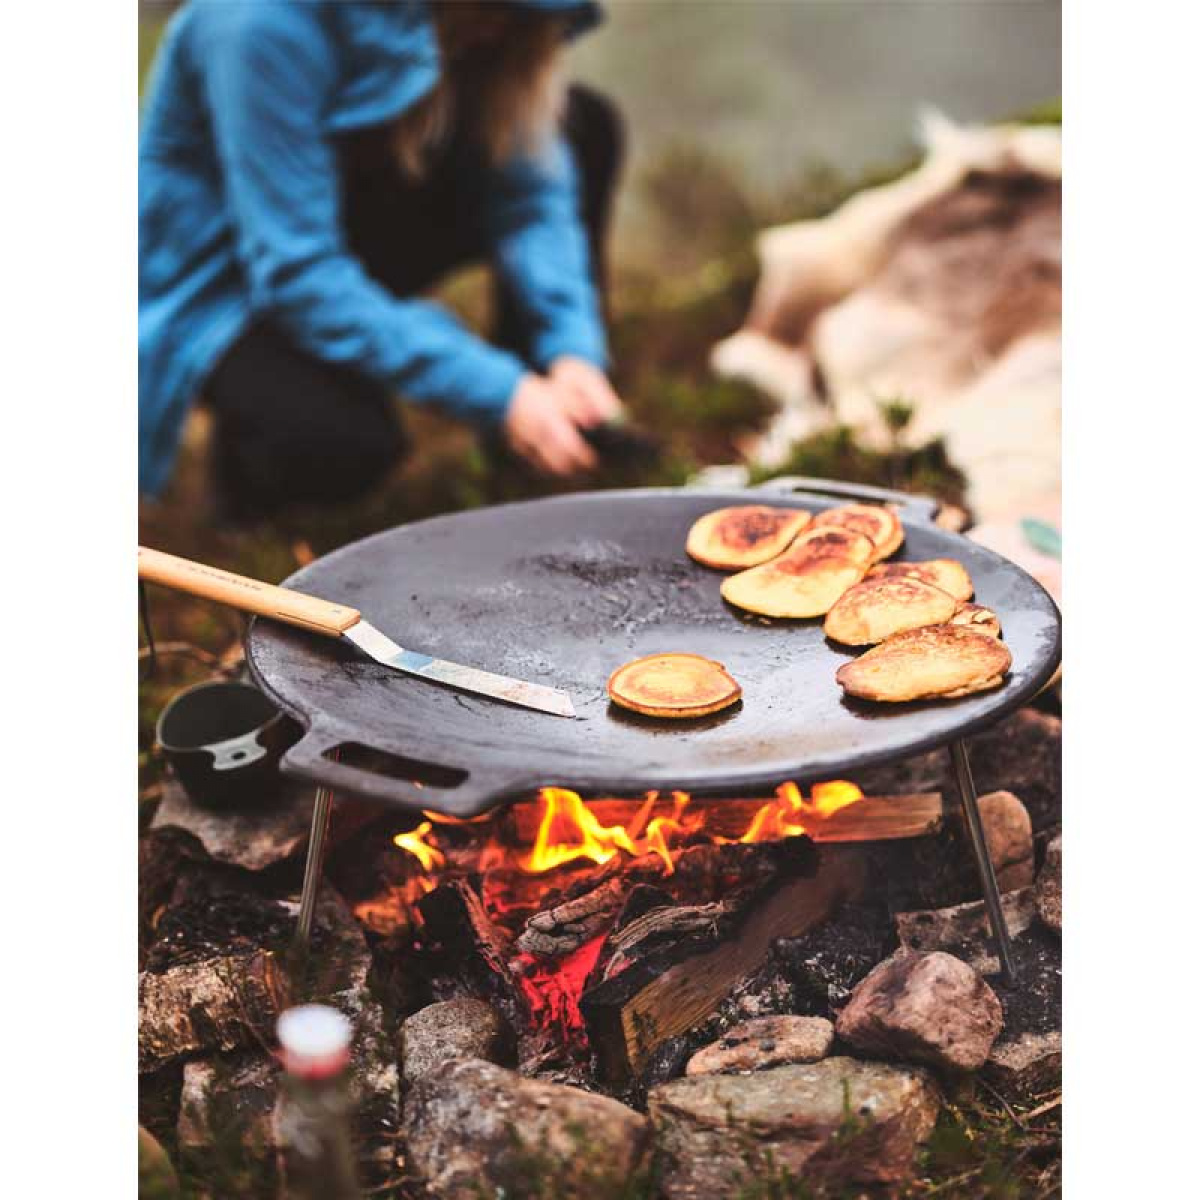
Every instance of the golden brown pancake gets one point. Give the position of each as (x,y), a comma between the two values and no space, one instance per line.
(943,573)
(881,525)
(735,538)
(673,685)
(876,608)
(975,616)
(935,662)
(807,579)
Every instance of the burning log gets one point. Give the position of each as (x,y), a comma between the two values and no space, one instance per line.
(565,927)
(651,984)
(700,874)
(869,819)
(220,1003)
(455,918)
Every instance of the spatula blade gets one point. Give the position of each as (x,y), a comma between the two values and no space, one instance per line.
(468,679)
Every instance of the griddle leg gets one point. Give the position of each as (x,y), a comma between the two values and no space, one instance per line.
(314,864)
(983,860)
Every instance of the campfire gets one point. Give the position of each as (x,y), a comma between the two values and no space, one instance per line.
(556,898)
(619,946)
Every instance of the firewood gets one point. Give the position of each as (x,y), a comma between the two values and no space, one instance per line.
(565,927)
(657,986)
(479,949)
(220,1003)
(700,874)
(873,818)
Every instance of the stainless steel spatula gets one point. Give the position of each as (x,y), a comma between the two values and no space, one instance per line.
(338,620)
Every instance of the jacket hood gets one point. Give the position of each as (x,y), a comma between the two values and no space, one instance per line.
(582,15)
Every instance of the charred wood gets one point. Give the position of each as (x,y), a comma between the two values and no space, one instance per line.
(651,985)
(476,948)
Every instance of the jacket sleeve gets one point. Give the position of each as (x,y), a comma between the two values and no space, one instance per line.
(265,90)
(537,235)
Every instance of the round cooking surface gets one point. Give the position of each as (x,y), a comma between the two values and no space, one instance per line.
(562,591)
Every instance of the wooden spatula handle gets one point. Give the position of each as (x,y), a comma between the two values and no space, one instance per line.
(250,595)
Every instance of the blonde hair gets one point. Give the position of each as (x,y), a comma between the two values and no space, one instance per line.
(500,81)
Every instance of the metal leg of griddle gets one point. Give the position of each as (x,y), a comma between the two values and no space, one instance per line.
(314,864)
(983,860)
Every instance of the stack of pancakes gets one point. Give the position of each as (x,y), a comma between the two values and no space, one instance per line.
(929,642)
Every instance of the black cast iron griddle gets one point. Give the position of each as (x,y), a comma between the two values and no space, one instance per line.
(564,590)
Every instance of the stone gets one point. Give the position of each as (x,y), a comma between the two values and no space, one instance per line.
(156,1176)
(226,1134)
(1049,886)
(1026,1064)
(964,929)
(452,1029)
(924,1007)
(219,1004)
(474,1129)
(258,836)
(837,1119)
(1009,834)
(765,1042)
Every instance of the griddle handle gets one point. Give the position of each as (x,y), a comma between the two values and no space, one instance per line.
(912,508)
(472,797)
(249,595)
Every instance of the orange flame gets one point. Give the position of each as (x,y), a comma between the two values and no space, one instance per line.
(785,816)
(427,853)
(568,830)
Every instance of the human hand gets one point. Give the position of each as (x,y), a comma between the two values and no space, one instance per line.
(589,396)
(542,428)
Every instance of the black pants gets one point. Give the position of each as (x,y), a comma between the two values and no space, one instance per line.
(291,428)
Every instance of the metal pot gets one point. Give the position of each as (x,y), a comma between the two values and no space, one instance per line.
(224,742)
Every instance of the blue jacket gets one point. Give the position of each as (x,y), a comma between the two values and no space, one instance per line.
(238,212)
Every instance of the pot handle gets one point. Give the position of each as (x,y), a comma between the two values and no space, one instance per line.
(237,752)
(468,797)
(912,508)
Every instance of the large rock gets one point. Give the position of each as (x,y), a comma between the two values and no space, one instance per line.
(1049,886)
(1009,835)
(765,1042)
(256,836)
(475,1129)
(931,1008)
(838,1119)
(452,1029)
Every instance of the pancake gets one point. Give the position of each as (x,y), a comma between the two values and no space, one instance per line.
(877,608)
(807,579)
(975,616)
(881,525)
(943,573)
(736,538)
(935,662)
(675,686)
